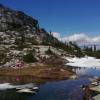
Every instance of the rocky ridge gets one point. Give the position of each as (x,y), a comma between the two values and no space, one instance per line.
(20,35)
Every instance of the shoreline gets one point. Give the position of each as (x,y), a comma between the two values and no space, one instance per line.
(43,72)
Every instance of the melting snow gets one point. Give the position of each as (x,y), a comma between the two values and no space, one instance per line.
(6,86)
(84,62)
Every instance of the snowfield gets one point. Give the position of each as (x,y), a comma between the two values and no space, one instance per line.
(89,62)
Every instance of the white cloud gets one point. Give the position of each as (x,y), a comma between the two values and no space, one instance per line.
(78,38)
(82,38)
(56,34)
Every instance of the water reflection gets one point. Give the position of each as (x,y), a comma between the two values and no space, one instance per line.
(12,95)
(22,80)
(87,71)
(49,89)
(63,90)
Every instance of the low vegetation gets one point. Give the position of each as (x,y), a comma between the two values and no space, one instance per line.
(29,58)
(92,52)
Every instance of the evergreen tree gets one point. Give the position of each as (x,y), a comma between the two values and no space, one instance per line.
(29,58)
(94,47)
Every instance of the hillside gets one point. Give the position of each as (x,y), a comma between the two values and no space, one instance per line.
(22,40)
(28,49)
(21,35)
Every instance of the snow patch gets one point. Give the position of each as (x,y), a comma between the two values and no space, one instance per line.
(5,86)
(89,62)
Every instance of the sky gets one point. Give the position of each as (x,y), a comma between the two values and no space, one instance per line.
(67,19)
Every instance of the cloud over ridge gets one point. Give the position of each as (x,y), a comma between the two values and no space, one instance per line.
(78,38)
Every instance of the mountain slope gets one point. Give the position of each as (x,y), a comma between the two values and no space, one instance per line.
(21,39)
(16,25)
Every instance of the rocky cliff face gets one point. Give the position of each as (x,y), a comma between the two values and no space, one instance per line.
(16,25)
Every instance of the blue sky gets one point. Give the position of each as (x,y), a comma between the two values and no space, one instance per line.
(64,16)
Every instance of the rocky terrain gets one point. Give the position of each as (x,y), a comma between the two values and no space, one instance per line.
(20,35)
(23,44)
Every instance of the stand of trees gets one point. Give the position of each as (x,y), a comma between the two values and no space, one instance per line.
(92,51)
(29,58)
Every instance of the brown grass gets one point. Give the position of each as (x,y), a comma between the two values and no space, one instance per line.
(39,71)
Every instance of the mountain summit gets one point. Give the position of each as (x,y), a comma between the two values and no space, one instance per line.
(15,25)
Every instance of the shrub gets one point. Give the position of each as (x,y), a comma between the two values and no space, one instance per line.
(29,58)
